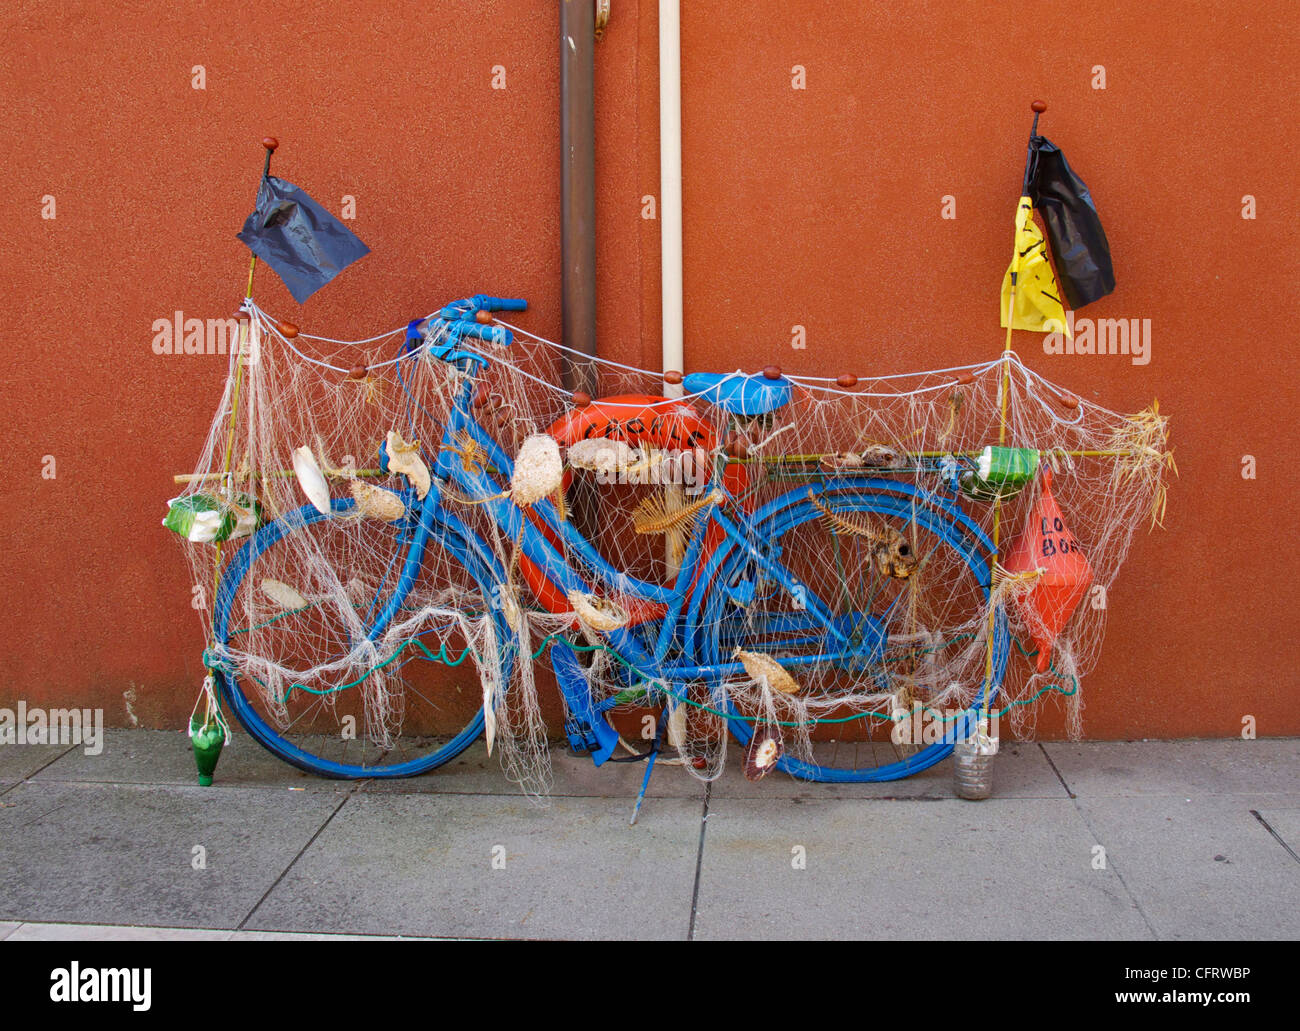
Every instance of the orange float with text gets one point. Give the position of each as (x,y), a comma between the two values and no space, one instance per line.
(1047,544)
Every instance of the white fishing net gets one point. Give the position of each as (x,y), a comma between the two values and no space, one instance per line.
(843,612)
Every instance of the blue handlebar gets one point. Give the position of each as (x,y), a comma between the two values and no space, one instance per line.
(492,334)
(466,307)
(499,303)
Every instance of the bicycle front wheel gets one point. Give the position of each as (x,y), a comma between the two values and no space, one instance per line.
(891,669)
(342,663)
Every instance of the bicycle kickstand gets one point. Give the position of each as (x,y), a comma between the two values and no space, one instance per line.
(649,766)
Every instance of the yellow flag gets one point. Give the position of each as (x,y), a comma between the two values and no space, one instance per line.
(1038,300)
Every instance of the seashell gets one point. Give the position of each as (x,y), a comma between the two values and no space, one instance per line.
(765,669)
(405,458)
(311,479)
(603,456)
(539,470)
(677,726)
(509,606)
(764,749)
(376,503)
(841,460)
(598,613)
(489,716)
(878,456)
(248,516)
(283,595)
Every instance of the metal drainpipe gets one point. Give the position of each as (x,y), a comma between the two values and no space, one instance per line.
(578,189)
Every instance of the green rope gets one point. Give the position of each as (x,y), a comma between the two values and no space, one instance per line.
(646,688)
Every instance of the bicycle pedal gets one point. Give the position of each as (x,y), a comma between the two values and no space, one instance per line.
(581,737)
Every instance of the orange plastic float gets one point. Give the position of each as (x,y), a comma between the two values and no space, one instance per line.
(1047,544)
(638,420)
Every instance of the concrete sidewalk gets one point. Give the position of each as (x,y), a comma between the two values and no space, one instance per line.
(1200,840)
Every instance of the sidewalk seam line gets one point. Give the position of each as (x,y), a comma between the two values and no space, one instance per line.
(34,772)
(293,862)
(1111,865)
(699,860)
(1059,777)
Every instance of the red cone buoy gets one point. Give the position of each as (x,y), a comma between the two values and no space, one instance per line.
(1046,543)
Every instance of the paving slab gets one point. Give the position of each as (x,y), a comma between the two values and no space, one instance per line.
(277,936)
(166,757)
(123,854)
(49,932)
(7,927)
(18,762)
(1118,768)
(907,869)
(422,864)
(1202,867)
(127,932)
(474,772)
(1020,770)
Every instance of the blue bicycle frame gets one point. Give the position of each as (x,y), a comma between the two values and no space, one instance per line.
(860,641)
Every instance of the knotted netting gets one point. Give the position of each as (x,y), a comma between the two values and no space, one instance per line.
(823,549)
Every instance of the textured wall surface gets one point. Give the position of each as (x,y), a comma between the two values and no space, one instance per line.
(818,207)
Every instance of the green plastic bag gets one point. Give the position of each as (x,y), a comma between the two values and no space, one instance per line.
(204,519)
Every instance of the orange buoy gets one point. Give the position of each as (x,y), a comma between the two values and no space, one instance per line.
(1046,544)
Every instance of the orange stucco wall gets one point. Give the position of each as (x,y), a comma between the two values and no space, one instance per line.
(818,207)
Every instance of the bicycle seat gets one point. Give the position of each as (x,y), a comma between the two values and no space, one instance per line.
(739,394)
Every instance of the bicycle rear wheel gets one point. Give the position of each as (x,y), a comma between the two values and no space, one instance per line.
(369,677)
(863,645)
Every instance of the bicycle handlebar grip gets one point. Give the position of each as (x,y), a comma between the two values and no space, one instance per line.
(485,303)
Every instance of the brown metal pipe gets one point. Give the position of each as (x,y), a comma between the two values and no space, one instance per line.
(578,189)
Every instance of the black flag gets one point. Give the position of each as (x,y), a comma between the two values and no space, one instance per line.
(304,243)
(1078,242)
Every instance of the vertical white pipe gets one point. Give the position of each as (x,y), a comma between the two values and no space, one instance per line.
(670,185)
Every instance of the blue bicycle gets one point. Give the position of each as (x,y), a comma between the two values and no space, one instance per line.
(821,581)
